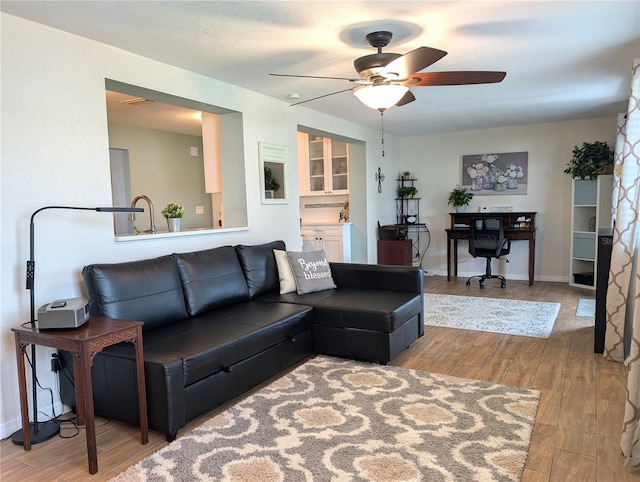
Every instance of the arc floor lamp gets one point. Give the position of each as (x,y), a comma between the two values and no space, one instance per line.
(42,431)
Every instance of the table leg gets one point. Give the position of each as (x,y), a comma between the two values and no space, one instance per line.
(22,388)
(142,390)
(532,258)
(77,370)
(448,259)
(455,258)
(87,401)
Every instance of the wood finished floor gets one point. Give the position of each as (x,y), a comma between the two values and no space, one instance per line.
(578,425)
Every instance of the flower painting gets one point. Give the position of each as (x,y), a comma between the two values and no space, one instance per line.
(490,174)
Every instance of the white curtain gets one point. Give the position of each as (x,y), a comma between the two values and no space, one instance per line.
(622,339)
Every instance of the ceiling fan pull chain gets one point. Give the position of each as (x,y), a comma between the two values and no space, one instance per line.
(382,129)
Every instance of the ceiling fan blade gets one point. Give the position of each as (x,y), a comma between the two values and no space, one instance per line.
(321,96)
(316,77)
(406,98)
(463,77)
(414,61)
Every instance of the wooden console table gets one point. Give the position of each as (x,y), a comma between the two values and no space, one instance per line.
(83,343)
(517,226)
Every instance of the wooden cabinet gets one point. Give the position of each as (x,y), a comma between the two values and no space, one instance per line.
(335,239)
(590,211)
(396,252)
(323,165)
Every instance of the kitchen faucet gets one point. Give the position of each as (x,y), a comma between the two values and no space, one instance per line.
(132,217)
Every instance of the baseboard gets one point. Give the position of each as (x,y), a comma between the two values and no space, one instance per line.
(512,276)
(9,427)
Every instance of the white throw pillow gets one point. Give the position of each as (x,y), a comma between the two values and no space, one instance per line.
(285,274)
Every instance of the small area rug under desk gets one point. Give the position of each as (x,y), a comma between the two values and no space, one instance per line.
(496,315)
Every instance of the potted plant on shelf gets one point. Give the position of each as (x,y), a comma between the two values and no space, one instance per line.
(406,175)
(173,212)
(407,192)
(271,184)
(460,198)
(590,160)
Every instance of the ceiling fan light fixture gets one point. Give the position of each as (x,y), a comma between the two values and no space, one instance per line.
(380,96)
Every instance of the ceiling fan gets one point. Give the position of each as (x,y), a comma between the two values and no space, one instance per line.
(385,77)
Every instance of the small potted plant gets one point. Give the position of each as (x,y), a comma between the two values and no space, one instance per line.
(460,198)
(173,212)
(406,175)
(271,184)
(590,160)
(407,192)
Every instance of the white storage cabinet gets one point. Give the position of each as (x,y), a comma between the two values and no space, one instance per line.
(335,239)
(590,211)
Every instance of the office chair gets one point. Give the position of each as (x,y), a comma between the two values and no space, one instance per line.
(486,240)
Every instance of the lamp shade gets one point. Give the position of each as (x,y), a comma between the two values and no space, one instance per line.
(380,96)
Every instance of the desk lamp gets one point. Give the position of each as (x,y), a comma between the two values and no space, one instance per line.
(42,431)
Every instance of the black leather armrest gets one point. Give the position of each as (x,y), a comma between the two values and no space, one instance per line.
(409,279)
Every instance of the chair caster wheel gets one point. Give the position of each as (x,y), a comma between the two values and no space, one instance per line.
(481,286)
(503,285)
(468,283)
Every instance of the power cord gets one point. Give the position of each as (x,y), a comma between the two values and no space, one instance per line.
(53,413)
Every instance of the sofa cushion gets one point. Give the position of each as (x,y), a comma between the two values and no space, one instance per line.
(216,340)
(259,267)
(374,310)
(149,290)
(311,271)
(211,279)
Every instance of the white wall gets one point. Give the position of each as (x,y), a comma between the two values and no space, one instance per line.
(436,161)
(54,151)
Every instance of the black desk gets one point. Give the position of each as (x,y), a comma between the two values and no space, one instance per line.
(513,229)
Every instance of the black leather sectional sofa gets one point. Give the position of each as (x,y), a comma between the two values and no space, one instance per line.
(216,325)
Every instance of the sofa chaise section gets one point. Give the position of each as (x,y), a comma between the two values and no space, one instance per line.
(374,313)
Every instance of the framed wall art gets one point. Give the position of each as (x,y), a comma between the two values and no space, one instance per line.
(493,174)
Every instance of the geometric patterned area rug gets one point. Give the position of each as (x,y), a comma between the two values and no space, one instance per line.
(496,315)
(332,419)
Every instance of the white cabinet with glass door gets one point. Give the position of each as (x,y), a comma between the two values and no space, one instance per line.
(324,165)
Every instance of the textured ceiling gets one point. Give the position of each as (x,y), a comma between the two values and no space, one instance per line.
(564,60)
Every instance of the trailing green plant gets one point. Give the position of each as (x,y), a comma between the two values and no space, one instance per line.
(460,196)
(590,160)
(407,191)
(270,182)
(173,210)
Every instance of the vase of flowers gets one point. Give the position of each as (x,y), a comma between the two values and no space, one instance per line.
(173,213)
(501,181)
(477,172)
(490,176)
(514,174)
